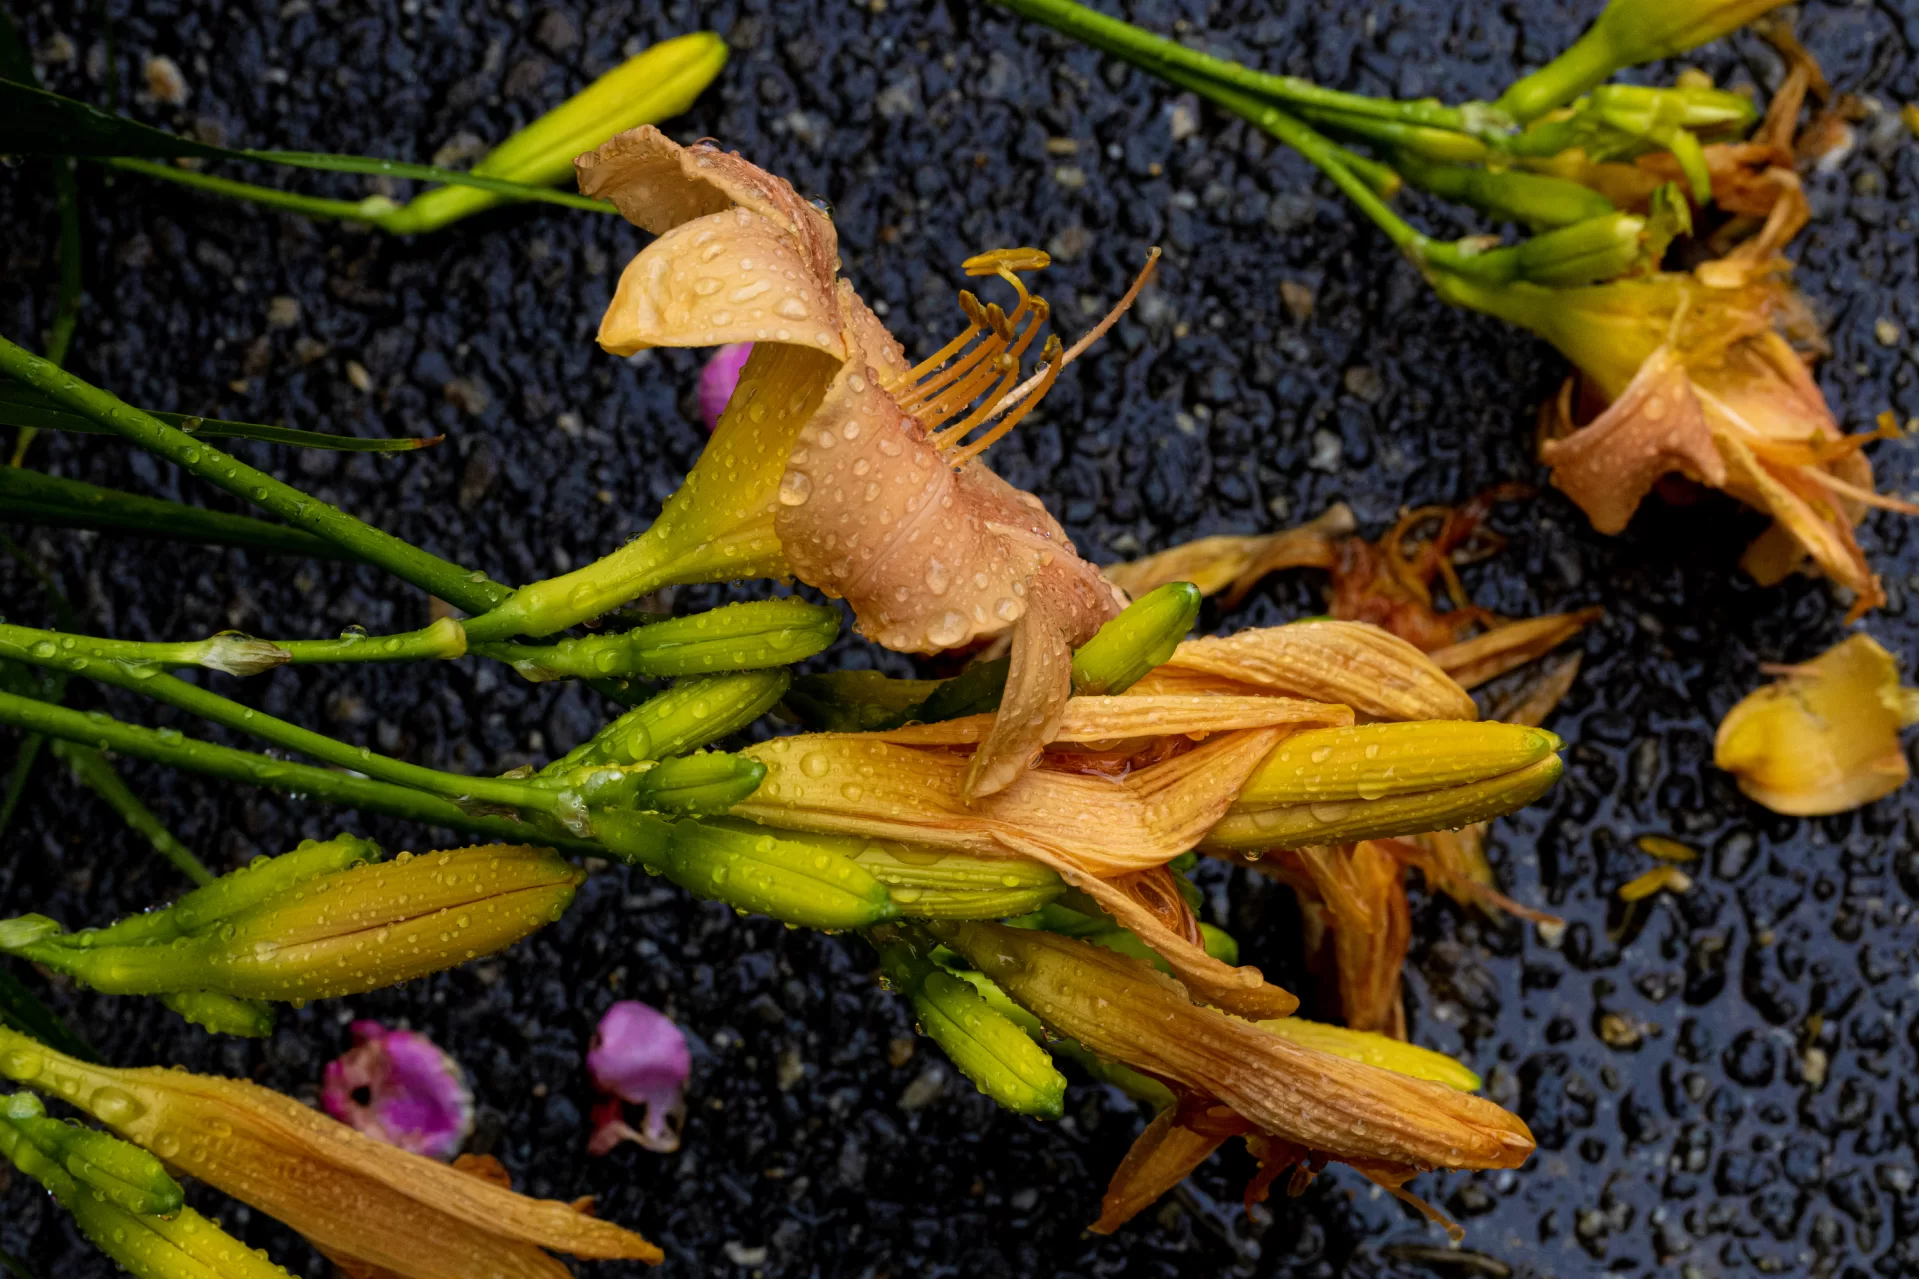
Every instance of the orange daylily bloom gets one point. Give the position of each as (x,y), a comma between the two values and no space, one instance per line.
(838,460)
(355,1198)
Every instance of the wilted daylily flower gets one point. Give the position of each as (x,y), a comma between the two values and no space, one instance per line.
(639,1057)
(1698,381)
(1237,1078)
(400,1087)
(1824,737)
(360,1201)
(837,460)
(718,376)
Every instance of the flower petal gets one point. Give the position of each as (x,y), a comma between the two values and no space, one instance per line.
(1825,738)
(718,376)
(1162,1157)
(1491,654)
(1039,681)
(1132,718)
(399,1087)
(1367,668)
(1654,427)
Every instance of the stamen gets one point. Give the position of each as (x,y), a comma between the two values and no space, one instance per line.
(1097,332)
(997,261)
(1050,374)
(975,316)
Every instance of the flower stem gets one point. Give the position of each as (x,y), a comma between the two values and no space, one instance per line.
(374,210)
(96,660)
(1162,56)
(1589,61)
(176,751)
(473,592)
(97,774)
(37,498)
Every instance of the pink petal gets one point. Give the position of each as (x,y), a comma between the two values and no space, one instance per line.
(719,377)
(399,1087)
(638,1056)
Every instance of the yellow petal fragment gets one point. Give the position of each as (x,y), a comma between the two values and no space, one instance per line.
(1825,737)
(1660,879)
(1666,850)
(1376,1050)
(1215,563)
(1355,663)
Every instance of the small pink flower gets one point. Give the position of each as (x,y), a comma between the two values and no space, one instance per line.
(399,1087)
(638,1056)
(719,377)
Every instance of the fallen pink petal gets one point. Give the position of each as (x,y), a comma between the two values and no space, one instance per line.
(398,1086)
(639,1056)
(719,377)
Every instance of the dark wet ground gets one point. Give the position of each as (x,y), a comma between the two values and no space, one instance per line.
(822,1139)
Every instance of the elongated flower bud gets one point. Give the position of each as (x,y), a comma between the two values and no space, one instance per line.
(656,84)
(349,932)
(1375,1050)
(233,893)
(989,1048)
(1535,199)
(855,701)
(180,1245)
(1373,761)
(1254,830)
(786,876)
(734,637)
(696,710)
(698,785)
(126,1175)
(1143,636)
(930,883)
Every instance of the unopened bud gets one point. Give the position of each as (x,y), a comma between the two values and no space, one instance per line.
(1373,761)
(693,712)
(124,1174)
(734,637)
(1142,636)
(223,1014)
(855,701)
(789,877)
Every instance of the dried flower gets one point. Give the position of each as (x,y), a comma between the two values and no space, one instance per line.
(836,460)
(1660,879)
(357,1199)
(638,1057)
(400,1087)
(1240,1076)
(718,376)
(1824,737)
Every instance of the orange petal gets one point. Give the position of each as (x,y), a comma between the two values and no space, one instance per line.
(1131,718)
(1039,681)
(1162,1157)
(1215,563)
(1367,668)
(1653,428)
(1508,647)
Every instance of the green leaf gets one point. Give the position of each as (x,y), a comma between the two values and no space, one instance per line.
(22,1010)
(36,122)
(34,498)
(23,405)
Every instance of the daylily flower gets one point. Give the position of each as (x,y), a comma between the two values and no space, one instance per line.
(638,1056)
(1236,1077)
(360,1201)
(1824,737)
(400,1087)
(718,376)
(1357,926)
(838,461)
(1698,381)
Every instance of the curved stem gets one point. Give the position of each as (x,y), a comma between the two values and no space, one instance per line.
(97,774)
(1163,56)
(346,789)
(94,660)
(373,210)
(473,592)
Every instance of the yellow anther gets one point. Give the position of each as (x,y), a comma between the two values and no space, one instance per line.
(998,261)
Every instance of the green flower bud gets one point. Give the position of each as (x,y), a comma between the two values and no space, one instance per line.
(935,884)
(792,878)
(1143,636)
(232,893)
(348,932)
(125,1174)
(1540,201)
(989,1048)
(182,1245)
(1254,830)
(735,637)
(855,701)
(695,711)
(1141,1088)
(696,785)
(223,1014)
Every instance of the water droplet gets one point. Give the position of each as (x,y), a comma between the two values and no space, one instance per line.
(795,488)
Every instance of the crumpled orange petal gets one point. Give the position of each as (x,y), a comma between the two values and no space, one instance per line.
(1215,563)
(1655,427)
(1509,646)
(1159,1159)
(1128,717)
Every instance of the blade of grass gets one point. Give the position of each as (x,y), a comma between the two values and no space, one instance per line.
(92,770)
(22,1010)
(23,406)
(36,498)
(474,592)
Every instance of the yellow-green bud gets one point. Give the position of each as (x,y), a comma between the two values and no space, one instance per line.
(791,877)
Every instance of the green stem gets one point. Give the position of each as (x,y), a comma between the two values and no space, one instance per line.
(441,641)
(93,771)
(1162,56)
(23,1011)
(66,315)
(36,498)
(374,210)
(96,660)
(174,750)
(1589,61)
(473,592)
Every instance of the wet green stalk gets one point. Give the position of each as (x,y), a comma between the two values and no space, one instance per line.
(94,771)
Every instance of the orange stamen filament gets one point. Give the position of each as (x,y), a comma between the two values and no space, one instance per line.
(1047,377)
